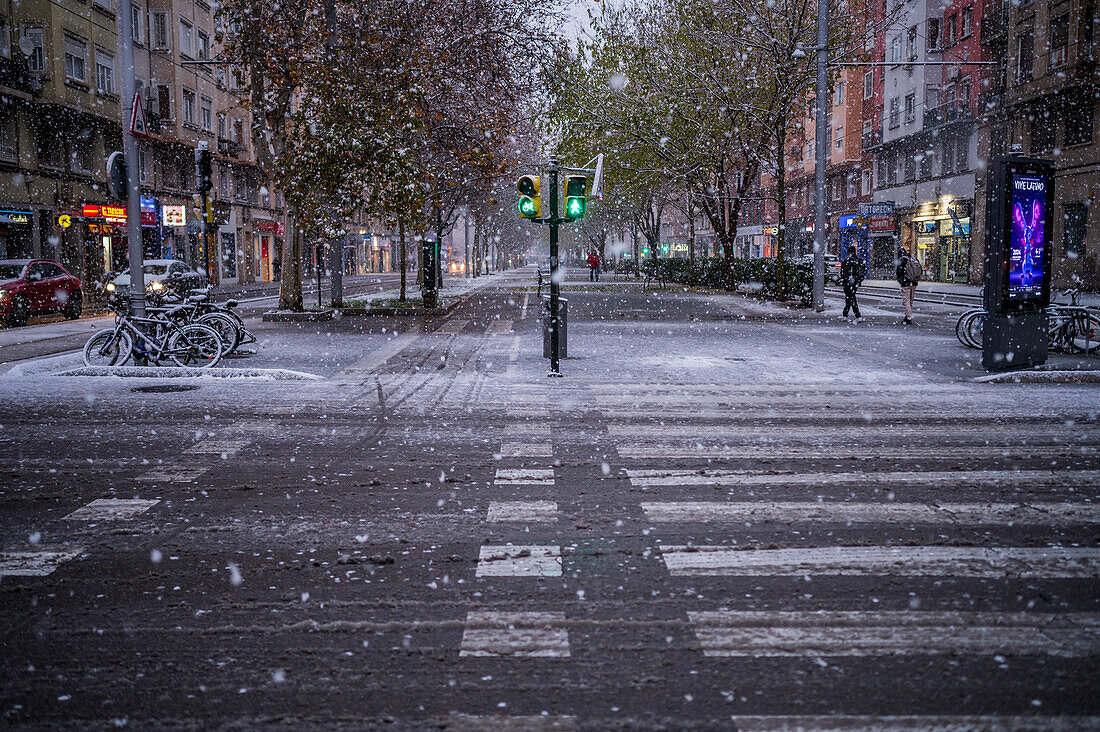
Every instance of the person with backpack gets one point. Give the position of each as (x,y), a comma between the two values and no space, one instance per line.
(594,266)
(851,275)
(908,274)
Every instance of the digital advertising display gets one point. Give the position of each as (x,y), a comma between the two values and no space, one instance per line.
(1027,242)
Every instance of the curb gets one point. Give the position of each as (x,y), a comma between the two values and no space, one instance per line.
(172,372)
(1041,377)
(306,316)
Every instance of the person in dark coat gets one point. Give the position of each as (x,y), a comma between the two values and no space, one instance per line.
(851,275)
(907,266)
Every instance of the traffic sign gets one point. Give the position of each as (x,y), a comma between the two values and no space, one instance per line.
(137,119)
(65,221)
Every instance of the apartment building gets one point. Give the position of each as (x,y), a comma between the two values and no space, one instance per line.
(59,120)
(1041,99)
(924,164)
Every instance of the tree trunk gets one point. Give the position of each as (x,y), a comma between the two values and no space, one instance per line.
(290,279)
(637,253)
(781,198)
(404,260)
(691,234)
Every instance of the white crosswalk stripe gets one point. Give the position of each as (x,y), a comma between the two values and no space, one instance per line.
(224,448)
(978,514)
(906,561)
(527,429)
(522,511)
(35,564)
(515,635)
(825,433)
(112,509)
(955,478)
(758,634)
(452,327)
(519,561)
(526,449)
(499,327)
(524,476)
(174,475)
(914,723)
(652,451)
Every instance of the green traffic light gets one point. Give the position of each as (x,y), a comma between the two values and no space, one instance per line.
(526,207)
(574,208)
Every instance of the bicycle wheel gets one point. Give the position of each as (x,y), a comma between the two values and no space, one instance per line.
(195,345)
(226,328)
(108,348)
(1083,333)
(973,333)
(962,327)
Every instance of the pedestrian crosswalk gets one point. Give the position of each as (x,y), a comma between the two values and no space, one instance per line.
(515,635)
(853,512)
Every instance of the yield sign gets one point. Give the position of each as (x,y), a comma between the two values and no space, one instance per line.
(137,119)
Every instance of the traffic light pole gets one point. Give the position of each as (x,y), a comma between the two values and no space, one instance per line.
(555,325)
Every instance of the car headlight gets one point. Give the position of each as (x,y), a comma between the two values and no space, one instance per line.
(110,287)
(155,285)
(3,294)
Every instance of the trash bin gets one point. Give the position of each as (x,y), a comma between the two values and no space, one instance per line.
(563,317)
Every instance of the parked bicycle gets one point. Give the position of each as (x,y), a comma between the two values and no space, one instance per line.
(156,338)
(198,308)
(1071,328)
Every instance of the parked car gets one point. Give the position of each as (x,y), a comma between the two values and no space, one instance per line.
(36,286)
(159,275)
(832,266)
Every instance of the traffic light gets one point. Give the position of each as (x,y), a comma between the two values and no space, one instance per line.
(530,203)
(203,171)
(576,196)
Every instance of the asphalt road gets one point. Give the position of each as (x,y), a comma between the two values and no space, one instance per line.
(724,516)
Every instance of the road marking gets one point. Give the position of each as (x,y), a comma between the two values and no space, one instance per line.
(977,514)
(112,509)
(517,429)
(499,327)
(513,352)
(902,561)
(522,511)
(895,633)
(529,412)
(825,433)
(34,564)
(526,449)
(523,311)
(938,723)
(181,475)
(524,476)
(955,478)
(515,634)
(519,561)
(452,327)
(226,448)
(848,451)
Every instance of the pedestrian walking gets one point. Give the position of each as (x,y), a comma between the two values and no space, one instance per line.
(851,275)
(908,274)
(594,266)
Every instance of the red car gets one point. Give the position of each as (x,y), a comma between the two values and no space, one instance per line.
(35,286)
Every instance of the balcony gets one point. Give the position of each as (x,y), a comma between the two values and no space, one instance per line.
(229,148)
(14,74)
(945,114)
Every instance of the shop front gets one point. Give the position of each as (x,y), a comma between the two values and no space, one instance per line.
(938,234)
(16,234)
(266,248)
(106,244)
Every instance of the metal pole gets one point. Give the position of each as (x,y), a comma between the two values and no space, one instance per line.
(820,154)
(131,154)
(337,276)
(205,229)
(555,326)
(466,240)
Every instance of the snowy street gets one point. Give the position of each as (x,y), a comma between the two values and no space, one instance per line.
(726,515)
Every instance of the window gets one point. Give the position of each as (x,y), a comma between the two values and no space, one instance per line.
(1080,107)
(1025,56)
(5,38)
(1059,39)
(911,45)
(164,102)
(223,130)
(37,60)
(866,189)
(1044,125)
(964,96)
(8,146)
(967,23)
(223,184)
(924,164)
(219,76)
(910,108)
(839,138)
(1088,25)
(188,106)
(206,114)
(853,185)
(895,50)
(838,93)
(204,46)
(80,153)
(76,51)
(238,132)
(867,129)
(105,4)
(1073,238)
(868,84)
(137,27)
(962,155)
(895,112)
(910,167)
(933,33)
(187,38)
(160,30)
(948,158)
(104,72)
(882,167)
